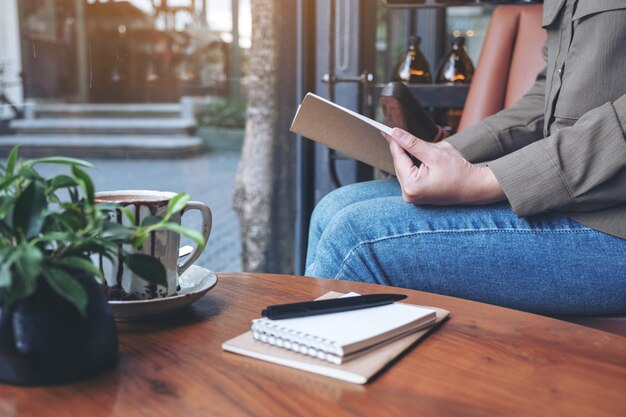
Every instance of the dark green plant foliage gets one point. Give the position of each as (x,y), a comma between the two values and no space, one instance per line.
(229,114)
(27,212)
(44,236)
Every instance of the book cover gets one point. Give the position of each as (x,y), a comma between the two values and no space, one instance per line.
(344,130)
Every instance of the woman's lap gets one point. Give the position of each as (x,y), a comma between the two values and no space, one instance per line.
(342,198)
(547,264)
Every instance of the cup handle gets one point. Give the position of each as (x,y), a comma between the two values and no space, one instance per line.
(206,231)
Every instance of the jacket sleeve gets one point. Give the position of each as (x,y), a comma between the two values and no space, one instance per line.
(577,169)
(507,130)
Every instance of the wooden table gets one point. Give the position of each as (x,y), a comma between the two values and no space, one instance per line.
(484,361)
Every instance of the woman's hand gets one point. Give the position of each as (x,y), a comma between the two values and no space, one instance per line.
(444,176)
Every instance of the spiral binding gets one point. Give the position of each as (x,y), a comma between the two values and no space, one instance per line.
(270,332)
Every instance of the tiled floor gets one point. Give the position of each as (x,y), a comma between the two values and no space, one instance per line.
(208,178)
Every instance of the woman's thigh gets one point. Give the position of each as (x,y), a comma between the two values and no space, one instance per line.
(341,198)
(547,264)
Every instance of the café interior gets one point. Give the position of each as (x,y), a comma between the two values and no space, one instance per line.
(408,64)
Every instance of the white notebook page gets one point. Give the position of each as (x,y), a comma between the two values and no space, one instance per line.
(349,327)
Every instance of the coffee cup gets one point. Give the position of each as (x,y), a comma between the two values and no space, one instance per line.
(163,245)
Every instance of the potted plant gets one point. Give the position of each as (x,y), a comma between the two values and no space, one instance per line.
(221,125)
(55,322)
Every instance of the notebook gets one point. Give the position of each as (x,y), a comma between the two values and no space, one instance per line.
(360,369)
(343,130)
(339,337)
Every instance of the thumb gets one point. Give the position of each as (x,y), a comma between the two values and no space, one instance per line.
(421,149)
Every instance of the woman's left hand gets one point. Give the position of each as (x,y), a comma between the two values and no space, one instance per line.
(444,177)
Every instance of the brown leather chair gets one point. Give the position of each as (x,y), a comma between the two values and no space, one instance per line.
(507,67)
(509,62)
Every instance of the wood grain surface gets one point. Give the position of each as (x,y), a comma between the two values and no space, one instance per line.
(484,361)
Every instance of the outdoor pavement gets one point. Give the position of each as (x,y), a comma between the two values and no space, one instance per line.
(208,178)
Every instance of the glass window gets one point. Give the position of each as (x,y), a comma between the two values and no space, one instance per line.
(150,91)
(397,25)
(470,23)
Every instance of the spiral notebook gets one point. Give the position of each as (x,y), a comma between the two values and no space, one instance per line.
(359,367)
(339,337)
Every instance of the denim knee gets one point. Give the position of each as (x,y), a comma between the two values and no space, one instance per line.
(340,199)
(340,235)
(348,195)
(323,213)
(325,210)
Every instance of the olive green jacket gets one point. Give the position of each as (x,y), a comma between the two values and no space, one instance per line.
(562,147)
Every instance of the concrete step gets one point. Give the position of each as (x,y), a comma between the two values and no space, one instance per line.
(139,126)
(102,146)
(60,110)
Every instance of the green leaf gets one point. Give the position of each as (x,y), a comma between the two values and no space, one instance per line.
(191,234)
(27,172)
(67,287)
(101,246)
(60,160)
(138,241)
(115,231)
(5,202)
(127,213)
(29,264)
(107,207)
(5,275)
(74,196)
(7,181)
(29,207)
(12,160)
(87,184)
(62,181)
(18,283)
(70,219)
(82,264)
(5,229)
(147,267)
(7,257)
(55,237)
(5,252)
(19,289)
(107,256)
(178,203)
(151,221)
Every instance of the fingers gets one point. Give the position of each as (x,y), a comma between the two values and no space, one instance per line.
(401,160)
(406,170)
(416,147)
(402,145)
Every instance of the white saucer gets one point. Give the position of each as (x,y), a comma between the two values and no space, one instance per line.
(194,283)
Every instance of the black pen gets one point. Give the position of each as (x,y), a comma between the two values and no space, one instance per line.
(335,305)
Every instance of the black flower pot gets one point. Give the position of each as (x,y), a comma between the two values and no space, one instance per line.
(44,340)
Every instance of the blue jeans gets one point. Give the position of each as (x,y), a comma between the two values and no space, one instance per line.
(546,264)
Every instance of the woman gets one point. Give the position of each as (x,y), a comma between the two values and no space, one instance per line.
(540,224)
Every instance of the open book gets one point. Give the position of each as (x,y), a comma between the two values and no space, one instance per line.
(344,130)
(359,369)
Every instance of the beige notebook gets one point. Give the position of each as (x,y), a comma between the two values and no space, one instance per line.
(358,370)
(343,130)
